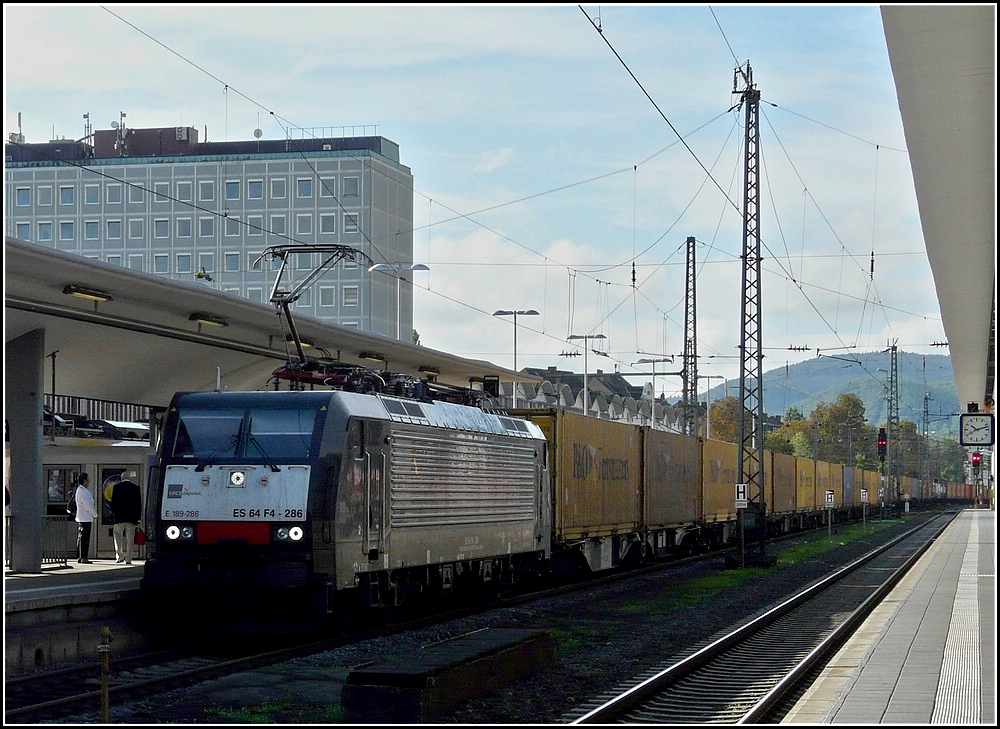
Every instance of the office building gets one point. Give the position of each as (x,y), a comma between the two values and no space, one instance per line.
(159,201)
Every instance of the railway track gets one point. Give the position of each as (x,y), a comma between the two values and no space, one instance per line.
(86,688)
(48,696)
(752,674)
(33,698)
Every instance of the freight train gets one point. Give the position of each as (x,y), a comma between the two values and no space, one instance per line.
(310,503)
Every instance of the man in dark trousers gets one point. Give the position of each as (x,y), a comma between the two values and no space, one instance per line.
(126,507)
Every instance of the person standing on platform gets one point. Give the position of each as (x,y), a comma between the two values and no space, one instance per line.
(86,512)
(126,507)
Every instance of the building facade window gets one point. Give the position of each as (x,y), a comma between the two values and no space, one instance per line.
(206,227)
(67,195)
(352,187)
(279,188)
(231,261)
(135,194)
(114,259)
(161,192)
(351,297)
(278,224)
(328,187)
(255,189)
(304,187)
(92,229)
(350,222)
(22,197)
(255,225)
(135,228)
(113,193)
(183,227)
(328,223)
(304,224)
(206,190)
(185,190)
(114,230)
(161,263)
(183,263)
(327,295)
(232,189)
(206,262)
(66,231)
(232,227)
(22,231)
(136,261)
(91,194)
(161,228)
(45,196)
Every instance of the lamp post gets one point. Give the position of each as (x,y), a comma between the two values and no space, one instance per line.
(653,362)
(586,346)
(397,269)
(515,313)
(708,403)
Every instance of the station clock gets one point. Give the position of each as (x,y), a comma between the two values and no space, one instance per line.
(976,429)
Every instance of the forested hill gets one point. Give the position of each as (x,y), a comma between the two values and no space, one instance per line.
(822,379)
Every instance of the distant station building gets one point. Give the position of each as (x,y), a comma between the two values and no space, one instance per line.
(162,202)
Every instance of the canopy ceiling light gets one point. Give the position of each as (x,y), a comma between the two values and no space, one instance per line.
(83,292)
(208,319)
(429,369)
(373,356)
(302,340)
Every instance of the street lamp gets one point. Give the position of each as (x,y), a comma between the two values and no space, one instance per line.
(586,346)
(521,312)
(708,403)
(653,362)
(397,268)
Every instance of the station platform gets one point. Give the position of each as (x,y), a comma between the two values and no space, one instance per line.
(927,653)
(103,580)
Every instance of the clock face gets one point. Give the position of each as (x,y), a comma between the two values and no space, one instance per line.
(976,429)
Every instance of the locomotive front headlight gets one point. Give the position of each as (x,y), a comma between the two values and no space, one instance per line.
(173,532)
(296,534)
(282,534)
(187,532)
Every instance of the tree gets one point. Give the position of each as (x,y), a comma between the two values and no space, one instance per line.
(723,419)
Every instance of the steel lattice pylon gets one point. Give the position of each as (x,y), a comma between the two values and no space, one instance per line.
(751,424)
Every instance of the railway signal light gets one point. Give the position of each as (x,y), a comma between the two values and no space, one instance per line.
(883,441)
(977,459)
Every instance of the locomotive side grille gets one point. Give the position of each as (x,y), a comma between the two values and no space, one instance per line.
(460,480)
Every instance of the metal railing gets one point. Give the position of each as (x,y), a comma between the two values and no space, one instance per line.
(56,545)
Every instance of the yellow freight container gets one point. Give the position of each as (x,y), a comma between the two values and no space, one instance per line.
(805,486)
(596,470)
(720,472)
(672,469)
(782,482)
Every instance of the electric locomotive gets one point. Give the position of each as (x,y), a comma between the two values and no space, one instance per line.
(310,503)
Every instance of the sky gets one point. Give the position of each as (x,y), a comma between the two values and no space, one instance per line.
(562,155)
